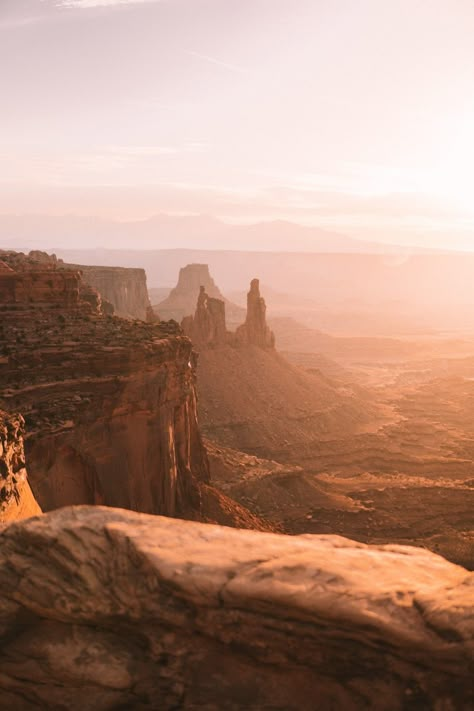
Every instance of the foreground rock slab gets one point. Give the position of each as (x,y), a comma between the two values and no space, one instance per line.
(107,609)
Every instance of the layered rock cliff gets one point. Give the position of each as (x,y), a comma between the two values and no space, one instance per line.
(124,288)
(105,609)
(16,498)
(110,404)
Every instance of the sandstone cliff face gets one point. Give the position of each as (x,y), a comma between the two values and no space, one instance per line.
(124,288)
(105,609)
(110,404)
(16,498)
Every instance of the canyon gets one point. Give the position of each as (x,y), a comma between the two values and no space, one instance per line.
(343,435)
(106,420)
(109,403)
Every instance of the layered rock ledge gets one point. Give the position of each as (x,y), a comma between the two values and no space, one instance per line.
(106,609)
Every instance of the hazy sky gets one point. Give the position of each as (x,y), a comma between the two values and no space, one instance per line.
(356,115)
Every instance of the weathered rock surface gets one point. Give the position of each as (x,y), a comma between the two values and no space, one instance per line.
(181,301)
(105,609)
(16,498)
(254,331)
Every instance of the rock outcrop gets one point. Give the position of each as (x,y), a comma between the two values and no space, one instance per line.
(181,301)
(16,498)
(255,331)
(110,404)
(106,609)
(207,328)
(122,290)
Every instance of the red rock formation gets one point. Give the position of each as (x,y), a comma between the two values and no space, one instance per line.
(207,327)
(181,301)
(110,404)
(255,330)
(105,609)
(123,291)
(16,499)
(124,288)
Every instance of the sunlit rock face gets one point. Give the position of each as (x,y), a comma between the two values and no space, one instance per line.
(109,403)
(107,609)
(16,499)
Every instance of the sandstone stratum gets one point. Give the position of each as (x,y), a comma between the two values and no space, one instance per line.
(106,609)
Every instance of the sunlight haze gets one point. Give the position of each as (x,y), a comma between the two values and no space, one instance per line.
(355,117)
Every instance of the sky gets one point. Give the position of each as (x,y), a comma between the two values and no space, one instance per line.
(351,115)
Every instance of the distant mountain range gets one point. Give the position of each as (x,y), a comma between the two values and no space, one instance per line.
(170,232)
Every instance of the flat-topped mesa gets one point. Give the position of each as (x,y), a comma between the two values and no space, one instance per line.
(207,327)
(194,276)
(16,498)
(255,330)
(181,301)
(123,287)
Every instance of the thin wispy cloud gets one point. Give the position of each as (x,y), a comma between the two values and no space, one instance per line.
(217,62)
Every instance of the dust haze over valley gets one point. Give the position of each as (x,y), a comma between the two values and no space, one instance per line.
(236,355)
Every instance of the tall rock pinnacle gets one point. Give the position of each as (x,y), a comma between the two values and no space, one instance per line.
(255,330)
